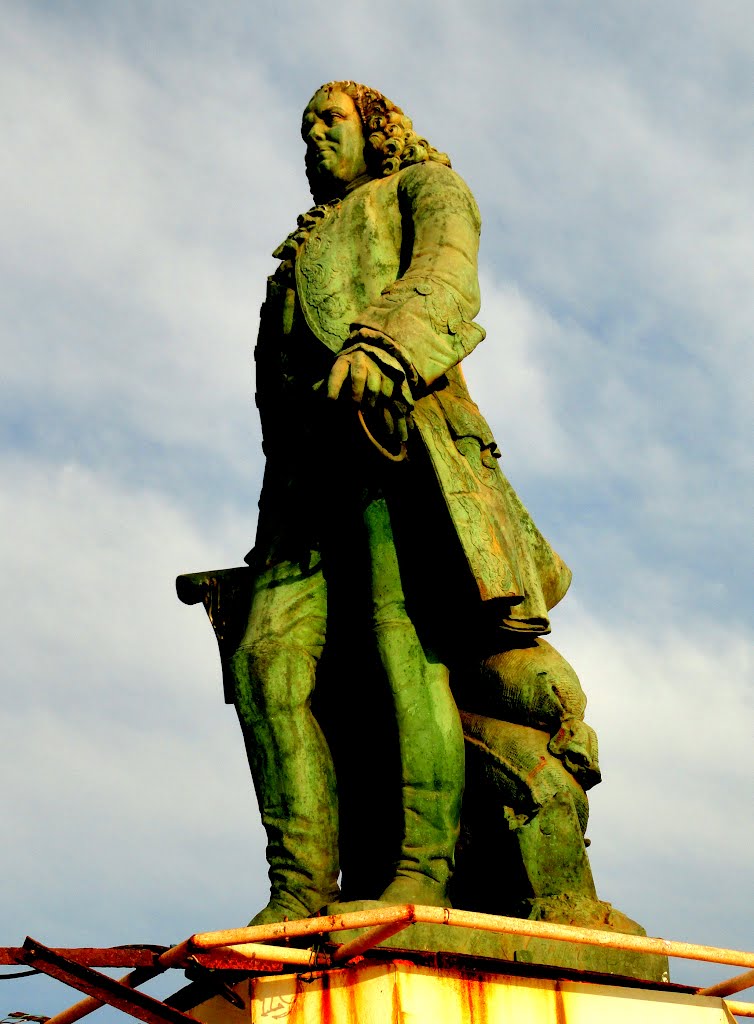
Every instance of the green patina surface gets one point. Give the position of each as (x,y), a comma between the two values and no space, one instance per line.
(411,736)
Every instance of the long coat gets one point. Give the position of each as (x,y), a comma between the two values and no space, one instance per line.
(398,256)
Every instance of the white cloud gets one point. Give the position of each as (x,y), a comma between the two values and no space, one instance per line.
(672,706)
(130,781)
(511,378)
(138,230)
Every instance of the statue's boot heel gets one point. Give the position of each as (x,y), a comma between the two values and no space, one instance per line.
(426,861)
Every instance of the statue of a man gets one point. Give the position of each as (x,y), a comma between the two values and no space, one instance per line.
(383,509)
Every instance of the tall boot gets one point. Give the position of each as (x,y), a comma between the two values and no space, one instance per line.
(432,769)
(293,776)
(429,732)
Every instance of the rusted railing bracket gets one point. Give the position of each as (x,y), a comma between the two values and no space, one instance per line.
(214,981)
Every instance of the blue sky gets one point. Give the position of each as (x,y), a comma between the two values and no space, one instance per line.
(151,163)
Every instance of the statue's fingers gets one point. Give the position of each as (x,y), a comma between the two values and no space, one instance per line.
(373,383)
(389,421)
(401,427)
(387,386)
(337,376)
(359,371)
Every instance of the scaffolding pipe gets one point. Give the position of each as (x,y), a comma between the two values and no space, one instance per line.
(730,986)
(372,937)
(460,919)
(739,1008)
(255,951)
(86,1006)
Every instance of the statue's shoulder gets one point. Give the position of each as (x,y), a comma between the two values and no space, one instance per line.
(431,185)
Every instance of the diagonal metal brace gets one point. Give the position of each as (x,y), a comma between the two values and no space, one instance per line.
(134,979)
(100,986)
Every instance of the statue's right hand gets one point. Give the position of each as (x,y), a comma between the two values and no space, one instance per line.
(357,375)
(368,381)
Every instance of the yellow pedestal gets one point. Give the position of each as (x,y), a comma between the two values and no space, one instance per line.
(401,992)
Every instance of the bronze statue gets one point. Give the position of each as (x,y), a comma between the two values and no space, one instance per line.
(394,566)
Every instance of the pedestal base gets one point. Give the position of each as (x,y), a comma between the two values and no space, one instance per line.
(520,948)
(398,991)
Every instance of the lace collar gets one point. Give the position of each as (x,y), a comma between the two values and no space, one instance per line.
(306,222)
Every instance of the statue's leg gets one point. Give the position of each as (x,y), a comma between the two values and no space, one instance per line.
(274,671)
(429,731)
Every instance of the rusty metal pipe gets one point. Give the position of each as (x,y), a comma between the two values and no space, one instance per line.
(738,1008)
(101,987)
(373,937)
(469,919)
(584,936)
(86,1006)
(297,929)
(254,951)
(90,956)
(730,986)
(176,956)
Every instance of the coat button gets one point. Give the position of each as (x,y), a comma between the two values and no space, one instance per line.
(423,288)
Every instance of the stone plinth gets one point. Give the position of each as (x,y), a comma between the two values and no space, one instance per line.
(402,992)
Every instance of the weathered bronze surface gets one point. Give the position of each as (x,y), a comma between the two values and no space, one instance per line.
(404,720)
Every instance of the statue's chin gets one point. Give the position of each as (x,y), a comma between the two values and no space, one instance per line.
(324,186)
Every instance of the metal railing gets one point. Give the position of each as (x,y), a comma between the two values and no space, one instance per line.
(255,946)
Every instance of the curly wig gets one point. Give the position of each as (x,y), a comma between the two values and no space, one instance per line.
(390,142)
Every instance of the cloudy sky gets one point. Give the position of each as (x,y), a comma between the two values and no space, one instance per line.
(150,163)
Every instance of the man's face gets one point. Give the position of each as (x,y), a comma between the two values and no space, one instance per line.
(334,137)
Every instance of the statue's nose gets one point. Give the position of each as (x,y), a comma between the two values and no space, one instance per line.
(317,131)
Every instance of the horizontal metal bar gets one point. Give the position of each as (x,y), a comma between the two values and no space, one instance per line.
(739,1008)
(101,987)
(730,986)
(586,936)
(99,956)
(296,929)
(468,919)
(116,956)
(253,951)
